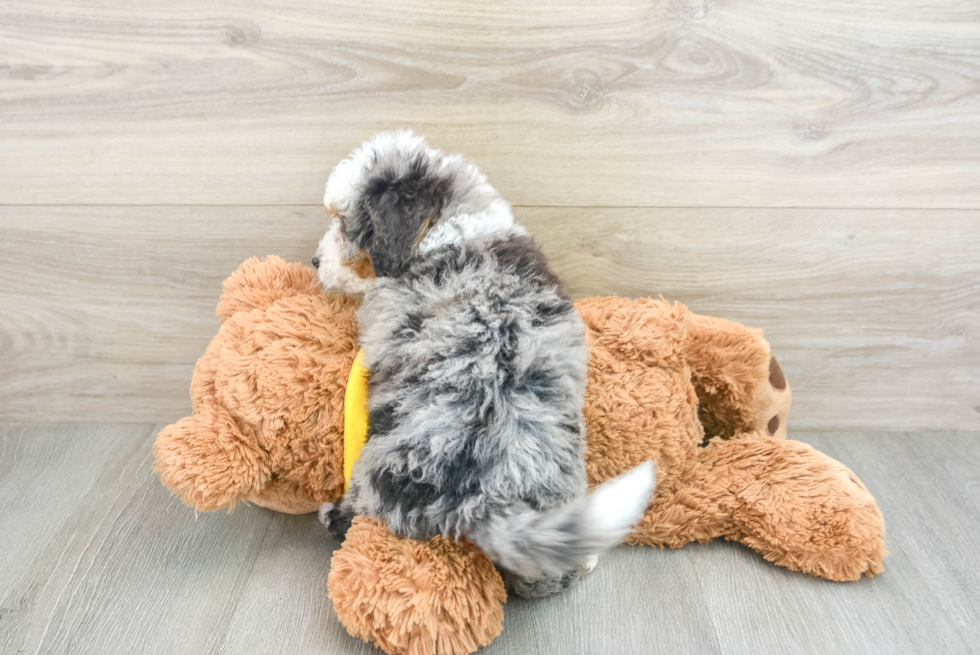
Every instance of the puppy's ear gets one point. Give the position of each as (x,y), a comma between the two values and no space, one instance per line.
(399,221)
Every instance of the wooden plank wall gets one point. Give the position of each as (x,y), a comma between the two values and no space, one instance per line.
(809,168)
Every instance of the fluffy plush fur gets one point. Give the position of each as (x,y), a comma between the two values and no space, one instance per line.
(267,428)
(478,370)
(447,595)
(268,396)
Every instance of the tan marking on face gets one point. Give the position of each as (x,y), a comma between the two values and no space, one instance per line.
(421,235)
(362,266)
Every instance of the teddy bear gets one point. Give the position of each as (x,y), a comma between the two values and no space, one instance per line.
(703,397)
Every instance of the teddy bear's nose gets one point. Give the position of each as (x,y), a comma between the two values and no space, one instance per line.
(316,262)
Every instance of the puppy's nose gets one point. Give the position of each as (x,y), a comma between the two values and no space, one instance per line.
(316,262)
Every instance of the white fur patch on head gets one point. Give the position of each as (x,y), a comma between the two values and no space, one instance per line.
(496,220)
(344,183)
(471,208)
(335,253)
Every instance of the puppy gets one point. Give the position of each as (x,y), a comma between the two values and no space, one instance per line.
(477,365)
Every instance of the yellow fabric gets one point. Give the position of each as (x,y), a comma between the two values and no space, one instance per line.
(355,415)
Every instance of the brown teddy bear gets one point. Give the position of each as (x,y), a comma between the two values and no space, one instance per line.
(268,423)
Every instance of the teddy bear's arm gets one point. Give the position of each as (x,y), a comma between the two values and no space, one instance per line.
(741,388)
(796,506)
(207,461)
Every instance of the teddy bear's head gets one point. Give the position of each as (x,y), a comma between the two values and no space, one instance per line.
(267,396)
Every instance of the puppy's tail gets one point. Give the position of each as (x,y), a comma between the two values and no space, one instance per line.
(531,543)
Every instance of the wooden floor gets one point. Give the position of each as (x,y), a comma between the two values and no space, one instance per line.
(96,557)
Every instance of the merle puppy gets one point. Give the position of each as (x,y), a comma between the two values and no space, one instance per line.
(477,366)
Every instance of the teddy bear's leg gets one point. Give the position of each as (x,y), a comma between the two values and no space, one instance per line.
(796,506)
(207,461)
(741,388)
(338,518)
(259,283)
(435,597)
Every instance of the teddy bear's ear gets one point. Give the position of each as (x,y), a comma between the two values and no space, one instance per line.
(206,460)
(259,283)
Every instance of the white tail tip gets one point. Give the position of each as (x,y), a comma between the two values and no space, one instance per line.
(615,506)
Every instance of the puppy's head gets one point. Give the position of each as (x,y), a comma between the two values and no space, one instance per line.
(383,200)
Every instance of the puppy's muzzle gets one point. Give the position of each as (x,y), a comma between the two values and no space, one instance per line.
(340,265)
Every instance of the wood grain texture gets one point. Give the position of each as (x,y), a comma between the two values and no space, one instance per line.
(114,573)
(104,311)
(284,607)
(926,485)
(874,314)
(32,514)
(121,567)
(565,103)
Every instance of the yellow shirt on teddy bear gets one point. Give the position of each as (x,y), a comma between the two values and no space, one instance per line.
(355,415)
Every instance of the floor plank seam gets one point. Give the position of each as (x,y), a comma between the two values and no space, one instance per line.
(219,646)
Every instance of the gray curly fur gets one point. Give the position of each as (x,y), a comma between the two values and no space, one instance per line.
(477,366)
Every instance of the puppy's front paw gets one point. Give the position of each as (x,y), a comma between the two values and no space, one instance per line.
(335,519)
(324,514)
